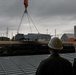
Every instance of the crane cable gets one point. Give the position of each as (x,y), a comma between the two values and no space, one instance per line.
(28,20)
(29,23)
(20,22)
(32,22)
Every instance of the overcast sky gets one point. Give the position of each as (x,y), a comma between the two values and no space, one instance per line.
(47,15)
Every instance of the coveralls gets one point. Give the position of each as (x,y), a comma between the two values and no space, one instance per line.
(74,66)
(55,65)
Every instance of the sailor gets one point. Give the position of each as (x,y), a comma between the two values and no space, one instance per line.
(55,64)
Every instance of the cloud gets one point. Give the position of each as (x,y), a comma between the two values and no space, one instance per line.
(46,14)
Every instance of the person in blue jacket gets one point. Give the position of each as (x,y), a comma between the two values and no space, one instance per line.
(55,64)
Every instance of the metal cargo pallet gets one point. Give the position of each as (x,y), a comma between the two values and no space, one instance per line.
(25,65)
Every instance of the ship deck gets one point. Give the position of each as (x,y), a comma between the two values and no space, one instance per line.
(25,65)
(27,42)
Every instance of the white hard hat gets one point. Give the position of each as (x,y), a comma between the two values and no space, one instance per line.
(55,43)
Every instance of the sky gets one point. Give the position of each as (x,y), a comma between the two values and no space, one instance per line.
(49,16)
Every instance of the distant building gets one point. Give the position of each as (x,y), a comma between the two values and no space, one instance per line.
(33,37)
(19,36)
(38,37)
(4,39)
(75,33)
(67,37)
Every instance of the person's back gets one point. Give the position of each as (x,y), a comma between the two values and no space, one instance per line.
(55,64)
(74,66)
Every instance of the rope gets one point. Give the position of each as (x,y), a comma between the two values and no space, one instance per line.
(29,18)
(20,22)
(29,23)
(32,22)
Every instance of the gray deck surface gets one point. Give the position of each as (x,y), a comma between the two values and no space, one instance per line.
(25,65)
